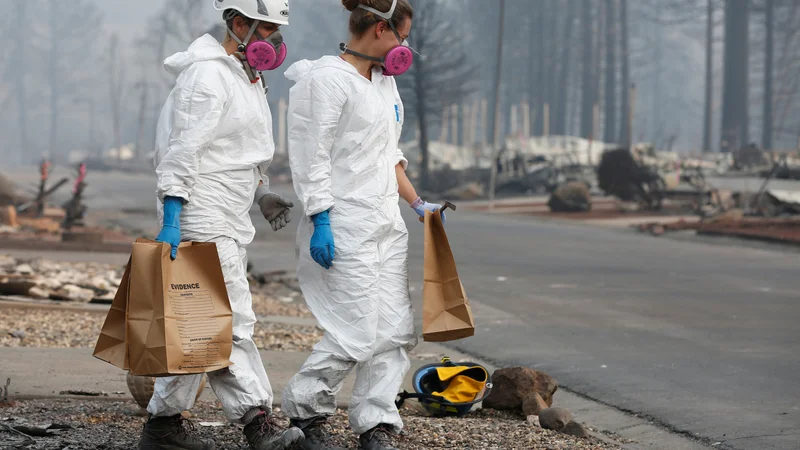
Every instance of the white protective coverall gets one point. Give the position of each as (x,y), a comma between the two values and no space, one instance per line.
(213,146)
(343,149)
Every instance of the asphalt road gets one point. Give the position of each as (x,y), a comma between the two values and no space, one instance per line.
(702,338)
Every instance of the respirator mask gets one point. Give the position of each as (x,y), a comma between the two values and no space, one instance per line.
(399,59)
(261,54)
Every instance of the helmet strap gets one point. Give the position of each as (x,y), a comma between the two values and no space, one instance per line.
(386,15)
(251,74)
(243,45)
(344,49)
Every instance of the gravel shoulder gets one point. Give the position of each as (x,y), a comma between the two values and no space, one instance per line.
(117,425)
(60,328)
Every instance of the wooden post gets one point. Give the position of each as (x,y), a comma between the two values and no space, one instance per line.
(445,124)
(546,119)
(595,120)
(466,112)
(476,109)
(454,123)
(526,119)
(484,120)
(631,106)
(514,127)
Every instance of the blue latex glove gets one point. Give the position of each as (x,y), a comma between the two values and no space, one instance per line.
(420,206)
(171,230)
(322,249)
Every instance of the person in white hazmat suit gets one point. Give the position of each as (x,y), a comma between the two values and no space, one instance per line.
(213,146)
(345,119)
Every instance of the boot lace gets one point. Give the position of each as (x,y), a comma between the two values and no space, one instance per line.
(319,429)
(186,430)
(382,434)
(266,428)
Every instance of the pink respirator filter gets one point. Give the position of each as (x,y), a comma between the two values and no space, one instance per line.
(398,61)
(262,56)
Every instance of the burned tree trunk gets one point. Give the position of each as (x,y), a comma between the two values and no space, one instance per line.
(422,123)
(21,94)
(766,133)
(587,84)
(708,116)
(735,86)
(566,66)
(54,76)
(540,73)
(624,129)
(610,127)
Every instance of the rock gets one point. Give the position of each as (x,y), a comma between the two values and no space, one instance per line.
(571,197)
(15,285)
(575,429)
(24,269)
(48,283)
(37,292)
(657,230)
(554,418)
(533,404)
(534,420)
(19,334)
(7,261)
(43,265)
(513,385)
(100,283)
(105,299)
(70,292)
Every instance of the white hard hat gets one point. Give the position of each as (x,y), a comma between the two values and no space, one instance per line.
(274,11)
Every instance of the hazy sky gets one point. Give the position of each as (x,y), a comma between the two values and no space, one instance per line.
(129,16)
(317,28)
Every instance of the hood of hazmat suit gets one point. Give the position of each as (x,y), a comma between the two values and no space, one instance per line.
(343,149)
(213,143)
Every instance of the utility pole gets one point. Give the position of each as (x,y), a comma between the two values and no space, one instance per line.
(766,139)
(497,77)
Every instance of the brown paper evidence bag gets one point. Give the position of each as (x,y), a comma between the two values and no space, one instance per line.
(446,314)
(169,317)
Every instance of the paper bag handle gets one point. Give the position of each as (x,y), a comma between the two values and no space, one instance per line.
(445,206)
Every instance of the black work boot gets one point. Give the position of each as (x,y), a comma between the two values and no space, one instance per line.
(378,438)
(171,433)
(317,434)
(263,433)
